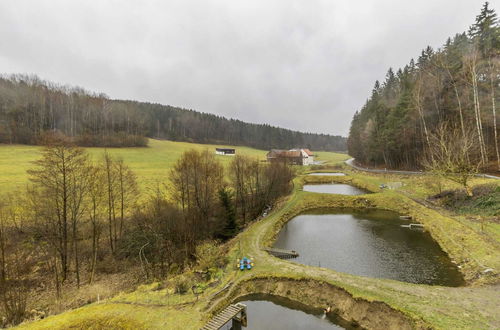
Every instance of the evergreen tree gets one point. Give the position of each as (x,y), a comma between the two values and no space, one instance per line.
(229,214)
(456,85)
(485,30)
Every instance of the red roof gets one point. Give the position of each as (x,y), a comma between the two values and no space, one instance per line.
(284,153)
(308,152)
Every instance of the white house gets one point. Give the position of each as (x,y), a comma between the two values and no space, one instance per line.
(225,151)
(293,156)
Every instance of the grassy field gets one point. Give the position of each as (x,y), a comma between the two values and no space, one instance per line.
(151,164)
(471,307)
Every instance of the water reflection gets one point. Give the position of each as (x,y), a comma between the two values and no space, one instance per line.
(277,313)
(334,188)
(370,243)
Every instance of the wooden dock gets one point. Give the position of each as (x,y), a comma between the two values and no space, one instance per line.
(414,226)
(237,313)
(281,253)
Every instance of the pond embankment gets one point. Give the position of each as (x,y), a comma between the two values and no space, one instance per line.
(370,242)
(372,303)
(317,294)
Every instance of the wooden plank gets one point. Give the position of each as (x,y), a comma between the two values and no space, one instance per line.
(281,253)
(234,309)
(219,319)
(225,316)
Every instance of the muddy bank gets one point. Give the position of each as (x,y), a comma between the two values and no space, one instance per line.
(317,294)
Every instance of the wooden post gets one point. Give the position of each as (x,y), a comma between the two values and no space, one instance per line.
(241,320)
(236,324)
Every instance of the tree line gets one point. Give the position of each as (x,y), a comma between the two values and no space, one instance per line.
(454,88)
(81,218)
(31,107)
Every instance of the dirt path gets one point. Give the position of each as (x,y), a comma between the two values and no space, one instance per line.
(351,163)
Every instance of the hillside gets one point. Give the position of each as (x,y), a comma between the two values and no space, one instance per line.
(151,164)
(30,107)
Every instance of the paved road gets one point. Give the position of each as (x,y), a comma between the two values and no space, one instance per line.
(350,162)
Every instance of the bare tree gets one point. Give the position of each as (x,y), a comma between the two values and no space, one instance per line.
(15,267)
(59,188)
(417,100)
(472,65)
(257,185)
(96,212)
(121,190)
(127,191)
(110,179)
(453,155)
(494,76)
(196,180)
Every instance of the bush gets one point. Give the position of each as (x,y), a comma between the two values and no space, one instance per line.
(210,257)
(183,283)
(485,200)
(114,140)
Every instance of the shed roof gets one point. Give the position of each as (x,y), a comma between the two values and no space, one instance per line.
(274,153)
(308,152)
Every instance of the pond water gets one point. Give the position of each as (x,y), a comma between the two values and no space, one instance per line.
(372,243)
(328,173)
(335,188)
(271,312)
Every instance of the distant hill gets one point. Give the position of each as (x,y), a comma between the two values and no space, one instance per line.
(31,107)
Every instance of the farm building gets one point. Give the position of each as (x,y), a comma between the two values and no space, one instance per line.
(293,156)
(225,151)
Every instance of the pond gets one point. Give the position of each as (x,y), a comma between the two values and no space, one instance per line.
(272,312)
(371,243)
(334,188)
(327,174)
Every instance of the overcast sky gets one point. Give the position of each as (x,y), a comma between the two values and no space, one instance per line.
(306,65)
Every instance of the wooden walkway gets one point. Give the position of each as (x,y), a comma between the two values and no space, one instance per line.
(281,253)
(236,311)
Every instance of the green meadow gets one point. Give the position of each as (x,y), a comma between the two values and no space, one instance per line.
(151,164)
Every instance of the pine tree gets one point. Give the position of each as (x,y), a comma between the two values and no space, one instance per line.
(485,30)
(230,227)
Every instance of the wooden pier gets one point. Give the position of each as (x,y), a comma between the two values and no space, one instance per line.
(281,253)
(236,313)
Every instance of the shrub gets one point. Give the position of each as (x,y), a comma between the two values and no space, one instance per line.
(210,257)
(183,283)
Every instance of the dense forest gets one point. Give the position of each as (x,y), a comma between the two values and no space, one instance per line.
(454,88)
(30,107)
